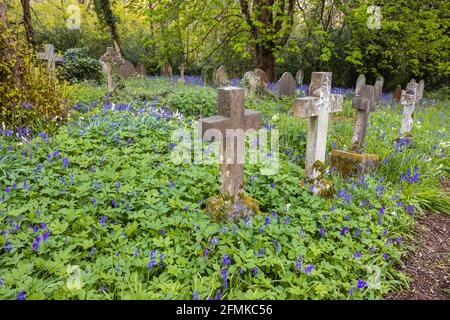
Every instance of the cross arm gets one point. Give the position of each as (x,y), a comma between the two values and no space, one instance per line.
(306,107)
(252,119)
(218,122)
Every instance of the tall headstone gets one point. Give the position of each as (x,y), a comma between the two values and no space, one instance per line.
(263,76)
(410,97)
(113,60)
(141,69)
(317,107)
(299,77)
(127,69)
(166,70)
(50,56)
(398,93)
(359,83)
(286,85)
(3,12)
(356,162)
(208,75)
(221,77)
(421,89)
(227,127)
(182,72)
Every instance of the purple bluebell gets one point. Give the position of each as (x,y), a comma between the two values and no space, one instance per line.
(103,220)
(309,268)
(21,295)
(152,263)
(195,295)
(357,254)
(65,163)
(45,235)
(322,231)
(205,252)
(361,283)
(255,270)
(114,203)
(226,259)
(224,274)
(386,256)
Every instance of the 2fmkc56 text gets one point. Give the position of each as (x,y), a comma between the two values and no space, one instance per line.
(228,309)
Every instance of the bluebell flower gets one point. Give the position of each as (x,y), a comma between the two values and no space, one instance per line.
(226,260)
(255,270)
(272,185)
(205,252)
(114,203)
(386,256)
(45,235)
(195,295)
(2,281)
(7,189)
(309,268)
(65,163)
(361,284)
(224,275)
(299,263)
(322,231)
(382,210)
(344,231)
(103,220)
(152,253)
(136,252)
(266,221)
(357,232)
(357,255)
(35,229)
(117,185)
(171,184)
(21,295)
(352,289)
(214,241)
(372,249)
(151,264)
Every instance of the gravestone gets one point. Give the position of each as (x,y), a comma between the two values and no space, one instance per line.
(398,94)
(221,77)
(421,89)
(208,75)
(316,107)
(359,83)
(286,85)
(50,56)
(166,70)
(299,77)
(141,69)
(182,72)
(3,12)
(127,69)
(231,122)
(410,97)
(253,85)
(262,76)
(112,59)
(356,162)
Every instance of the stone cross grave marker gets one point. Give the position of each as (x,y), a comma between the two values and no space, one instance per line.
(111,58)
(299,77)
(286,85)
(317,107)
(141,69)
(166,70)
(410,97)
(208,75)
(50,56)
(359,83)
(421,89)
(220,76)
(263,76)
(127,69)
(364,103)
(398,93)
(231,122)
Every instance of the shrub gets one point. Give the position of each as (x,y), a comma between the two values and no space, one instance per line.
(79,66)
(29,95)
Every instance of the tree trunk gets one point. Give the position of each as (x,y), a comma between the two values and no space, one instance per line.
(27,21)
(265,60)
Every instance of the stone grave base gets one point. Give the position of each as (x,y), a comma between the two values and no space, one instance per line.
(354,164)
(322,187)
(221,208)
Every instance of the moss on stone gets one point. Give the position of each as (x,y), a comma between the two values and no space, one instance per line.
(354,164)
(222,207)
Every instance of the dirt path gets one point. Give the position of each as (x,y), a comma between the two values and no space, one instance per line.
(428,265)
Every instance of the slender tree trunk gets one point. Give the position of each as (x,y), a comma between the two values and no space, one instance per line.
(27,21)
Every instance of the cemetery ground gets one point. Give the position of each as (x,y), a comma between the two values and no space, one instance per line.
(98,209)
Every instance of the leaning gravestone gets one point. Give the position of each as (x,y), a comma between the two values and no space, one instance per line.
(359,83)
(208,75)
(356,162)
(286,85)
(398,93)
(299,77)
(141,69)
(221,77)
(253,85)
(263,76)
(232,122)
(410,97)
(317,107)
(182,72)
(166,70)
(112,59)
(127,69)
(50,56)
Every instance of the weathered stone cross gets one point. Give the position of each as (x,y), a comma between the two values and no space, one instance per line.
(317,108)
(111,58)
(50,56)
(409,98)
(232,122)
(364,102)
